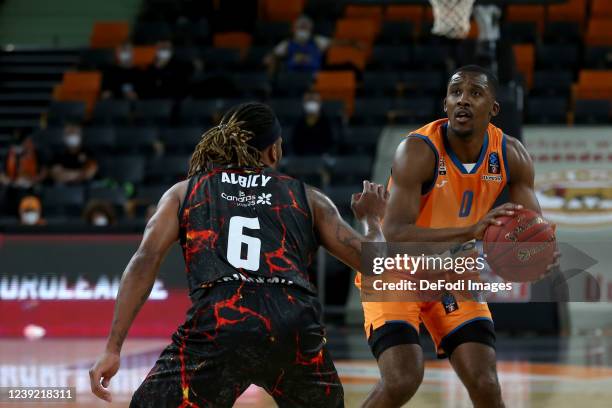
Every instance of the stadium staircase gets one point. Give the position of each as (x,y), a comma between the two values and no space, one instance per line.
(40,40)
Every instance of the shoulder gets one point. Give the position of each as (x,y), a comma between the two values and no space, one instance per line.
(516,151)
(415,147)
(177,192)
(518,160)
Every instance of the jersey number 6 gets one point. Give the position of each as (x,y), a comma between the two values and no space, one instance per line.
(235,240)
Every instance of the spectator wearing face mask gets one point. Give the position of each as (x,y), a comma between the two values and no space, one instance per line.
(99,213)
(167,77)
(303,52)
(30,211)
(120,81)
(73,164)
(313,132)
(23,169)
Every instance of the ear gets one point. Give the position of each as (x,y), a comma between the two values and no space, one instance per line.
(444,105)
(495,110)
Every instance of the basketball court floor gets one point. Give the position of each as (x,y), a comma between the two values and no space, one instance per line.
(535,372)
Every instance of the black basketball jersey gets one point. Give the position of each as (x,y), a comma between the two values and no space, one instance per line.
(250,224)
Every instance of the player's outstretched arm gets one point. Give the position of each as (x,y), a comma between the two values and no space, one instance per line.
(339,238)
(138,278)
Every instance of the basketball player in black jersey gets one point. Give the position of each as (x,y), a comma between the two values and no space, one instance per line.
(248,234)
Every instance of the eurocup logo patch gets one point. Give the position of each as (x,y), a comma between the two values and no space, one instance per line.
(494,163)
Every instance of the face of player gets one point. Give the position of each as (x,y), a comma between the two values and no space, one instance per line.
(470,104)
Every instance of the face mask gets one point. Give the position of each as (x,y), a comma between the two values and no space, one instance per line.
(164,54)
(73,140)
(30,217)
(125,56)
(312,107)
(100,221)
(302,35)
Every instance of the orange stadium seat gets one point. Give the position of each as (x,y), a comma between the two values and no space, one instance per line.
(79,86)
(413,14)
(143,56)
(342,54)
(235,39)
(281,10)
(373,13)
(361,30)
(525,61)
(109,34)
(601,9)
(337,85)
(534,14)
(593,84)
(599,32)
(573,10)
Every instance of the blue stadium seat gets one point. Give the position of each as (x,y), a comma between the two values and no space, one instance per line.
(49,139)
(552,83)
(99,139)
(350,170)
(417,110)
(63,200)
(389,57)
(150,32)
(182,139)
(431,56)
(270,33)
(519,32)
(371,111)
(293,84)
(428,83)
(557,56)
(111,112)
(396,33)
(61,112)
(309,169)
(380,84)
(547,109)
(361,140)
(599,57)
(562,32)
(154,112)
(167,169)
(122,168)
(136,139)
(593,111)
(200,111)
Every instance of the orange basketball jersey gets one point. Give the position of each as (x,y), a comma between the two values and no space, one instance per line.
(458,197)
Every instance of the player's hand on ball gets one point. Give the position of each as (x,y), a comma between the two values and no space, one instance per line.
(505,210)
(371,202)
(101,373)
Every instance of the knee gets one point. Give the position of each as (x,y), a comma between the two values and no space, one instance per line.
(485,387)
(400,388)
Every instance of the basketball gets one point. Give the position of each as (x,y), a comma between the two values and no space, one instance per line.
(521,248)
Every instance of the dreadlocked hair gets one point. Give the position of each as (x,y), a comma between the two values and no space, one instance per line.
(226,143)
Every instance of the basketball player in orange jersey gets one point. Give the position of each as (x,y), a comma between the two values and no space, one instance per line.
(446,178)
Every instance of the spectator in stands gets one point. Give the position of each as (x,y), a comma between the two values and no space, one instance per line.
(30,211)
(313,132)
(99,213)
(22,171)
(74,164)
(121,80)
(167,77)
(303,52)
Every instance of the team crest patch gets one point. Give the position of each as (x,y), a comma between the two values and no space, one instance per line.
(494,163)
